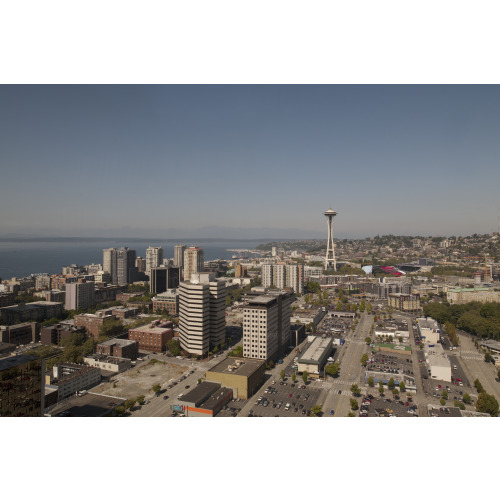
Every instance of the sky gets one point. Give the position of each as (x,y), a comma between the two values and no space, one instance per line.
(248,160)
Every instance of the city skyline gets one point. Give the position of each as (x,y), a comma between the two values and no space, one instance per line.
(390,159)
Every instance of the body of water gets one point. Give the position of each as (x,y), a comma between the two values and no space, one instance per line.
(19,258)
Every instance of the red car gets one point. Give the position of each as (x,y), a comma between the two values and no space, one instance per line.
(289,395)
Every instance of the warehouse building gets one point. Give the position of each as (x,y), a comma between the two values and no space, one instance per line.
(314,358)
(244,376)
(205,400)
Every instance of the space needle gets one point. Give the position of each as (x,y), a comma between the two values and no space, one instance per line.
(330,260)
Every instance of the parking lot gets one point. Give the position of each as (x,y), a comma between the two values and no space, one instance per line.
(276,398)
(458,373)
(440,411)
(391,363)
(435,388)
(396,406)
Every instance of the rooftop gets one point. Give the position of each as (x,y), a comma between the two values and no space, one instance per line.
(120,342)
(90,405)
(317,349)
(262,300)
(214,400)
(200,392)
(242,367)
(13,361)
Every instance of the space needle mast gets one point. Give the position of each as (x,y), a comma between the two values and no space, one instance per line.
(330,260)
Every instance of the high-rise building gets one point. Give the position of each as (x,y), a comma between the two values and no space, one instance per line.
(202,318)
(279,276)
(267,275)
(125,266)
(120,264)
(22,386)
(240,271)
(109,263)
(266,325)
(179,255)
(193,261)
(154,258)
(217,319)
(79,296)
(163,278)
(295,277)
(140,264)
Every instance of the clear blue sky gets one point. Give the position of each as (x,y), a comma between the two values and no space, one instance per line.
(145,160)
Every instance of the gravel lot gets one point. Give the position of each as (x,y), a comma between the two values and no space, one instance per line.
(140,379)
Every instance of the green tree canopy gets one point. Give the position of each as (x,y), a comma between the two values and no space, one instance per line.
(402,386)
(370,381)
(156,388)
(305,375)
(467,399)
(355,389)
(478,386)
(332,369)
(391,384)
(316,410)
(282,374)
(354,404)
(486,403)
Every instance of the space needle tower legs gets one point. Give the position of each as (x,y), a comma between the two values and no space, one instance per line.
(330,260)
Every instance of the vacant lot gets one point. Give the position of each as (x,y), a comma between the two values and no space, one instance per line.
(139,380)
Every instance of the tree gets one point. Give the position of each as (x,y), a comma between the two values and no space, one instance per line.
(368,340)
(88,346)
(332,370)
(294,377)
(364,359)
(354,404)
(391,384)
(282,374)
(402,386)
(316,410)
(381,387)
(355,389)
(467,399)
(486,403)
(119,410)
(395,391)
(488,358)
(111,328)
(445,394)
(140,399)
(478,386)
(351,414)
(370,381)
(156,388)
(130,403)
(174,347)
(442,401)
(304,376)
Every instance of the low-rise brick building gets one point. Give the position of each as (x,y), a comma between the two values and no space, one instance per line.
(167,302)
(153,337)
(54,334)
(92,322)
(120,348)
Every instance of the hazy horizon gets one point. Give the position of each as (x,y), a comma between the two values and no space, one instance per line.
(249,161)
